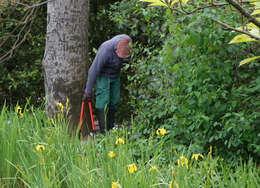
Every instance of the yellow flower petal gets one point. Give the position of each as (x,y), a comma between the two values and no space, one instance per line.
(132,168)
(60,106)
(196,156)
(170,184)
(153,168)
(18,111)
(120,141)
(210,151)
(183,161)
(115,184)
(111,154)
(40,148)
(161,131)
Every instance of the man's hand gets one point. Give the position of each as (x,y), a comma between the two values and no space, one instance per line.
(86,97)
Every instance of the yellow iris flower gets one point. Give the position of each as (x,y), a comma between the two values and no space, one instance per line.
(196,156)
(18,110)
(161,131)
(60,106)
(132,168)
(183,161)
(120,141)
(40,148)
(210,151)
(115,184)
(111,154)
(153,168)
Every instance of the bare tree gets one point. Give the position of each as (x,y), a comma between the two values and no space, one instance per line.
(66,55)
(21,30)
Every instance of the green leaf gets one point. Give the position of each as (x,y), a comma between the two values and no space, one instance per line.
(253,1)
(151,1)
(248,26)
(254,32)
(184,2)
(155,2)
(251,25)
(257,4)
(158,4)
(256,12)
(241,38)
(173,2)
(248,60)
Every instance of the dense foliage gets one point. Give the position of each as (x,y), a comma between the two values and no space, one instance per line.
(195,89)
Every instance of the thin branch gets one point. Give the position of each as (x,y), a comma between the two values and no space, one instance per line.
(237,30)
(4,37)
(24,21)
(177,10)
(34,5)
(19,41)
(22,24)
(207,6)
(8,20)
(244,12)
(211,5)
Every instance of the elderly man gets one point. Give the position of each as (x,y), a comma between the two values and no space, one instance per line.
(105,71)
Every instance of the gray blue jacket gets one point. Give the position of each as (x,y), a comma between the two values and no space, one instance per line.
(106,63)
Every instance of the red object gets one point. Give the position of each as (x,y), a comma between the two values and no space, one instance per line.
(91,116)
(82,112)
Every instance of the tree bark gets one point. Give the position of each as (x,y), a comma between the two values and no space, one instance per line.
(66,54)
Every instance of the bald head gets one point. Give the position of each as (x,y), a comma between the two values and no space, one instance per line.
(123,49)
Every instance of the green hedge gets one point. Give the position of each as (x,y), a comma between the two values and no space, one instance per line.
(196,90)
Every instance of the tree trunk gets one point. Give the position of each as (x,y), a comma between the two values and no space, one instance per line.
(66,55)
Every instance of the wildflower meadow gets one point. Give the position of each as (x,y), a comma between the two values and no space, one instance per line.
(38,152)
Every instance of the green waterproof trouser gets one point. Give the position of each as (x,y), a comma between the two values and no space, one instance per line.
(107,92)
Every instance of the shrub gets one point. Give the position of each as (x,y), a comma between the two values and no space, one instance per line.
(195,88)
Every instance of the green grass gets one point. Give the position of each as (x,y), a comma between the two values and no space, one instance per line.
(68,162)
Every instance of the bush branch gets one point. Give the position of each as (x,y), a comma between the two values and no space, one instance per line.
(244,12)
(212,4)
(34,5)
(237,30)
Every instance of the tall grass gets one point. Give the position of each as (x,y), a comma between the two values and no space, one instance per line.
(38,152)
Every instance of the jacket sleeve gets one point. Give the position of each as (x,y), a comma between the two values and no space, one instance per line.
(95,68)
